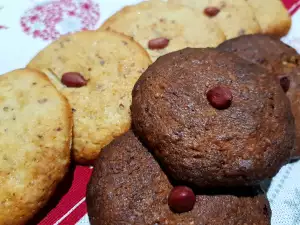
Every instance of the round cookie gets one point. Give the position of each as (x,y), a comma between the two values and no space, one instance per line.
(235,18)
(272,15)
(267,51)
(157,19)
(35,140)
(280,59)
(129,187)
(110,64)
(205,146)
(245,16)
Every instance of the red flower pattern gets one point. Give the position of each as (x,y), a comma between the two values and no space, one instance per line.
(2,27)
(50,20)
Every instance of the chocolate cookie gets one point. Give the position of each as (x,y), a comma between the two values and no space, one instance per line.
(129,187)
(212,118)
(280,59)
(264,50)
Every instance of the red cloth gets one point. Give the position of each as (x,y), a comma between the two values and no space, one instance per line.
(291,5)
(72,207)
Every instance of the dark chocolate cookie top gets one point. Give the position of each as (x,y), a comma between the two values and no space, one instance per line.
(265,50)
(128,187)
(200,143)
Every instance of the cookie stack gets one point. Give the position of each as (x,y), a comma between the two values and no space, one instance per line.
(208,127)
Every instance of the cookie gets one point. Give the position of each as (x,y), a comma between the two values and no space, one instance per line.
(222,120)
(280,59)
(129,187)
(235,18)
(269,52)
(35,139)
(294,96)
(162,27)
(108,64)
(272,16)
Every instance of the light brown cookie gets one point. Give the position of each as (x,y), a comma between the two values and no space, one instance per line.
(272,16)
(181,25)
(235,17)
(110,64)
(35,140)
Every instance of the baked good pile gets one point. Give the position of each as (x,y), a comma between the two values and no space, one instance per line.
(187,139)
(207,128)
